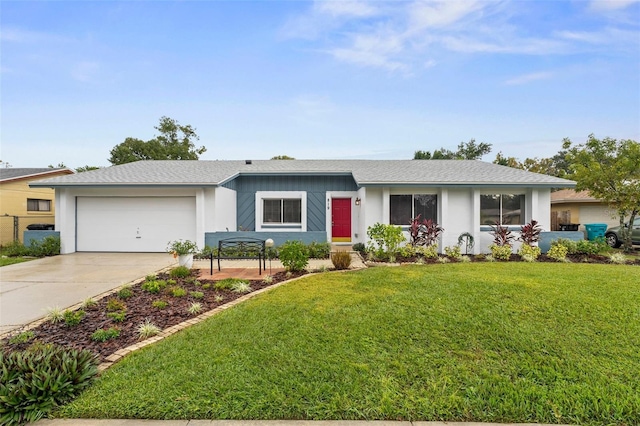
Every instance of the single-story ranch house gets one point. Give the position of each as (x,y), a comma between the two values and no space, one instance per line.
(141,206)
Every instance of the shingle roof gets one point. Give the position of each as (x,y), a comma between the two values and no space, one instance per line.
(12,173)
(364,172)
(571,196)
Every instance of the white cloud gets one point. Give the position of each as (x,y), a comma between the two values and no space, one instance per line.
(19,35)
(441,13)
(397,36)
(527,78)
(345,8)
(606,5)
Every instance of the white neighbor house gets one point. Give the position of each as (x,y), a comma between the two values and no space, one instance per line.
(141,206)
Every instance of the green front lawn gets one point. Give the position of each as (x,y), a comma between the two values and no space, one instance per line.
(501,342)
(4,261)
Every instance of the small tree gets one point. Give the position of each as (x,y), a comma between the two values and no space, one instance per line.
(609,169)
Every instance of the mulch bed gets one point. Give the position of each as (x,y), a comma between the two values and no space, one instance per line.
(139,308)
(573,258)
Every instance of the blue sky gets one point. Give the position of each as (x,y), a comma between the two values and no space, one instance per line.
(324,79)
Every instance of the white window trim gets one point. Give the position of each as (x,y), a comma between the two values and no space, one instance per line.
(523,216)
(284,227)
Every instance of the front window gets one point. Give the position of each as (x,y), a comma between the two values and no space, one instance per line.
(282,211)
(34,205)
(505,209)
(405,207)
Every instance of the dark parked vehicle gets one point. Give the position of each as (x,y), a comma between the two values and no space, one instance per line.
(614,238)
(41,227)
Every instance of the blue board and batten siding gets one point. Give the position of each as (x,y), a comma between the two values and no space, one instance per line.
(316,188)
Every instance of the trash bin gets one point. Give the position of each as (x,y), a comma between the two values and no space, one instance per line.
(595,230)
(41,227)
(569,226)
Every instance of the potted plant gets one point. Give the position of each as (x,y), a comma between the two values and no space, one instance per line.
(184,251)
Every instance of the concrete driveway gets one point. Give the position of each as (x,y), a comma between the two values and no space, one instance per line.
(28,289)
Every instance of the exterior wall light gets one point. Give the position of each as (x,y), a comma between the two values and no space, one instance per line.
(358,201)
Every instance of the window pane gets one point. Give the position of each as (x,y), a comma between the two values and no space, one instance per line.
(34,205)
(292,210)
(489,209)
(513,209)
(271,211)
(400,209)
(426,206)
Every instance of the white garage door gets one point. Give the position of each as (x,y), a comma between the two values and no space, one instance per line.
(128,224)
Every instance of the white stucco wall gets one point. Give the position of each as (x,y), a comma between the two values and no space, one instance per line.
(224,210)
(458,210)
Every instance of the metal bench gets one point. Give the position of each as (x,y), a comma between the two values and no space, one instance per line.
(241,248)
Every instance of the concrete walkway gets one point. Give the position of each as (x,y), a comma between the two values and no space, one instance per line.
(27,289)
(92,422)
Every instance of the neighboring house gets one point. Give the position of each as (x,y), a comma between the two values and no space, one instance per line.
(580,207)
(141,206)
(29,205)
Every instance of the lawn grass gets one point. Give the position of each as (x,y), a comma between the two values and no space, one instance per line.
(501,342)
(4,261)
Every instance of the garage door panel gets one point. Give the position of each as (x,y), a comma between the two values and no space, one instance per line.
(140,224)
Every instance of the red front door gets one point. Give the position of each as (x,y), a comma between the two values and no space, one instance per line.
(341,220)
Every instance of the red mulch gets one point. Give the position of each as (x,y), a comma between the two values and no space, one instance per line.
(138,309)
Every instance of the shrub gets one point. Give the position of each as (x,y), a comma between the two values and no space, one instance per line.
(88,303)
(384,239)
(592,247)
(35,381)
(49,246)
(180,272)
(195,308)
(529,253)
(424,232)
(500,252)
(468,241)
(219,298)
(570,245)
(114,305)
(177,291)
(55,314)
(407,251)
(530,233)
(225,284)
(241,286)
(147,329)
(465,259)
(125,293)
(268,279)
(429,252)
(618,258)
(15,249)
(558,251)
(102,335)
(443,260)
(294,255)
(341,259)
(73,318)
(360,248)
(154,286)
(160,304)
(23,337)
(196,294)
(453,252)
(150,278)
(117,316)
(502,236)
(172,282)
(319,250)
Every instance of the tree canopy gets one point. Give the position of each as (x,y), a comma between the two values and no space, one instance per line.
(466,151)
(553,166)
(609,170)
(282,157)
(175,142)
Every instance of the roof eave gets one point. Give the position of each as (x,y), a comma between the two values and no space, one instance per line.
(34,175)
